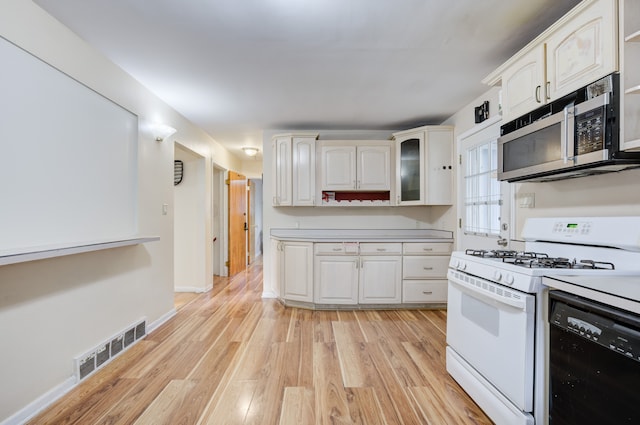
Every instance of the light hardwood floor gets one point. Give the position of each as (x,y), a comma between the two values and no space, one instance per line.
(230,357)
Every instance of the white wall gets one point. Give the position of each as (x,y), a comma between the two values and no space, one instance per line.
(615,194)
(53,310)
(337,217)
(190,221)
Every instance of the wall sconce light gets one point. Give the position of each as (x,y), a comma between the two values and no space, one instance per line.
(162,131)
(249,151)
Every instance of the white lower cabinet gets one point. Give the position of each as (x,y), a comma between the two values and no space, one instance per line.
(380,280)
(366,273)
(296,270)
(424,272)
(358,273)
(336,279)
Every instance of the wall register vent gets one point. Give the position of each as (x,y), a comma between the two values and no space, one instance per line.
(97,357)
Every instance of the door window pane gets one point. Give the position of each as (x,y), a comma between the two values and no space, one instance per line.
(482,198)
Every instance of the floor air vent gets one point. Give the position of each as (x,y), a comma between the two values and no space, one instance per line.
(94,359)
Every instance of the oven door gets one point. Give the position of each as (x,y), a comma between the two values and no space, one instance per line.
(491,327)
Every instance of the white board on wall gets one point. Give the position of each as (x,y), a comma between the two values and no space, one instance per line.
(68,158)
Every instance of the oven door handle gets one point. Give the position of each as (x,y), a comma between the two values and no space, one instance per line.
(492,297)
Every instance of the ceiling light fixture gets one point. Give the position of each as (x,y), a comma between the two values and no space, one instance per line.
(249,151)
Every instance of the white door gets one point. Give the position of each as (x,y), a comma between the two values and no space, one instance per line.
(484,203)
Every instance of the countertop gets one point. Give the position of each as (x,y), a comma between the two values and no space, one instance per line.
(362,235)
(622,291)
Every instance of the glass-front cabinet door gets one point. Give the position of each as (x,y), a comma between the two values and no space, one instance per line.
(410,170)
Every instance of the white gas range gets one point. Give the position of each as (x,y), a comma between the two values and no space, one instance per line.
(496,308)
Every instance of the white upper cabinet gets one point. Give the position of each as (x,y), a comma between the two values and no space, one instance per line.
(304,171)
(578,49)
(424,166)
(630,74)
(348,167)
(338,167)
(583,49)
(439,166)
(294,169)
(282,171)
(523,84)
(373,171)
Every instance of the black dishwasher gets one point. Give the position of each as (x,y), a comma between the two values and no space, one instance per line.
(594,362)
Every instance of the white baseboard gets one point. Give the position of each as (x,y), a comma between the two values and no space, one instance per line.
(157,323)
(269,294)
(41,403)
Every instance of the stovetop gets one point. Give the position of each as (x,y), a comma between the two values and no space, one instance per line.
(539,260)
(582,246)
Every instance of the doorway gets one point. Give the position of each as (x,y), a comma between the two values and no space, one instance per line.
(484,203)
(238,223)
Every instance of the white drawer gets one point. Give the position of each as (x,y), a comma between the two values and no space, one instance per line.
(429,248)
(336,248)
(424,267)
(424,291)
(370,248)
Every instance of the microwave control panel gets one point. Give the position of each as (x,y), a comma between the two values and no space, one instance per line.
(590,130)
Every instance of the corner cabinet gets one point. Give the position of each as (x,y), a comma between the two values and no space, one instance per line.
(424,166)
(294,165)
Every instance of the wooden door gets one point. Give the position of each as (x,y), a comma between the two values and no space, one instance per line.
(238,224)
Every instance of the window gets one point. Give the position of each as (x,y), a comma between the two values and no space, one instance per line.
(483,199)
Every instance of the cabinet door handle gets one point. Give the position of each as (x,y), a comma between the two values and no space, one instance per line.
(538,93)
(427,292)
(427,249)
(382,249)
(428,268)
(548,90)
(337,249)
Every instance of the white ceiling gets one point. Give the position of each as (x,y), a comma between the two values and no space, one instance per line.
(237,67)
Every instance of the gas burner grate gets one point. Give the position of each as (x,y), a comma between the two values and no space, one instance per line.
(496,253)
(563,263)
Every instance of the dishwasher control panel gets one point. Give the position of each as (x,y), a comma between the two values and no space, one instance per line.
(617,334)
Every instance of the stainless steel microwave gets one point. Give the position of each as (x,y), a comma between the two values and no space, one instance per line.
(574,136)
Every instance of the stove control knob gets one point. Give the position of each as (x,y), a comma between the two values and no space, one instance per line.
(461,266)
(509,279)
(497,275)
